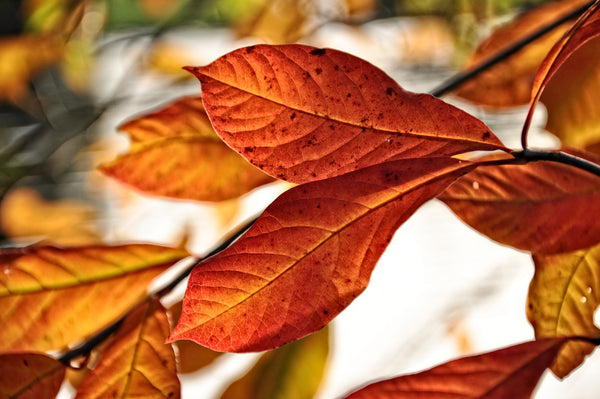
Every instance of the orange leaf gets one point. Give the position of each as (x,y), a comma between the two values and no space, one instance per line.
(190,356)
(307,256)
(511,372)
(586,28)
(563,296)
(175,153)
(293,371)
(512,204)
(301,113)
(24,214)
(137,362)
(30,376)
(509,83)
(50,297)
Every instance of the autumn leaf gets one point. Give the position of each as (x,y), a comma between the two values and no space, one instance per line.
(30,376)
(511,372)
(137,363)
(302,113)
(508,83)
(512,203)
(190,356)
(563,296)
(572,112)
(25,215)
(293,371)
(277,21)
(50,297)
(175,153)
(306,257)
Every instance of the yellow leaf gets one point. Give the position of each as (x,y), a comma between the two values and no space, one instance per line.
(293,371)
(24,214)
(563,296)
(50,297)
(137,363)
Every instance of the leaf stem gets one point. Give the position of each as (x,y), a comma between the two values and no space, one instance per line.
(86,347)
(462,77)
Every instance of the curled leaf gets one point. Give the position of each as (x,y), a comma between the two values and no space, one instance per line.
(306,257)
(563,296)
(50,297)
(302,113)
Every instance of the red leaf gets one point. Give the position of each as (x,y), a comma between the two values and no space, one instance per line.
(512,204)
(307,257)
(512,373)
(301,113)
(30,376)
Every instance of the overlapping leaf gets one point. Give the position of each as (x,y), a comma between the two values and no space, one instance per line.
(301,113)
(541,207)
(563,296)
(137,363)
(307,256)
(30,376)
(176,153)
(293,371)
(50,297)
(509,82)
(512,372)
(572,108)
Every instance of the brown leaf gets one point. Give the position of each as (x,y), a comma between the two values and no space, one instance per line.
(50,297)
(509,82)
(307,257)
(302,113)
(293,371)
(137,363)
(563,296)
(30,376)
(175,153)
(512,372)
(512,204)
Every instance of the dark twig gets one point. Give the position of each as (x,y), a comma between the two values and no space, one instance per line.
(463,77)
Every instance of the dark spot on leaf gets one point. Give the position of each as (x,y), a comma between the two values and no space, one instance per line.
(248,149)
(325,312)
(486,135)
(25,363)
(336,67)
(349,95)
(249,49)
(318,51)
(318,71)
(306,75)
(293,116)
(332,127)
(318,206)
(389,91)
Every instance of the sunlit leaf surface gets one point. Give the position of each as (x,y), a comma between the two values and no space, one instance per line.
(563,296)
(176,153)
(512,372)
(302,113)
(293,371)
(307,257)
(30,376)
(542,207)
(50,297)
(137,363)
(508,83)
